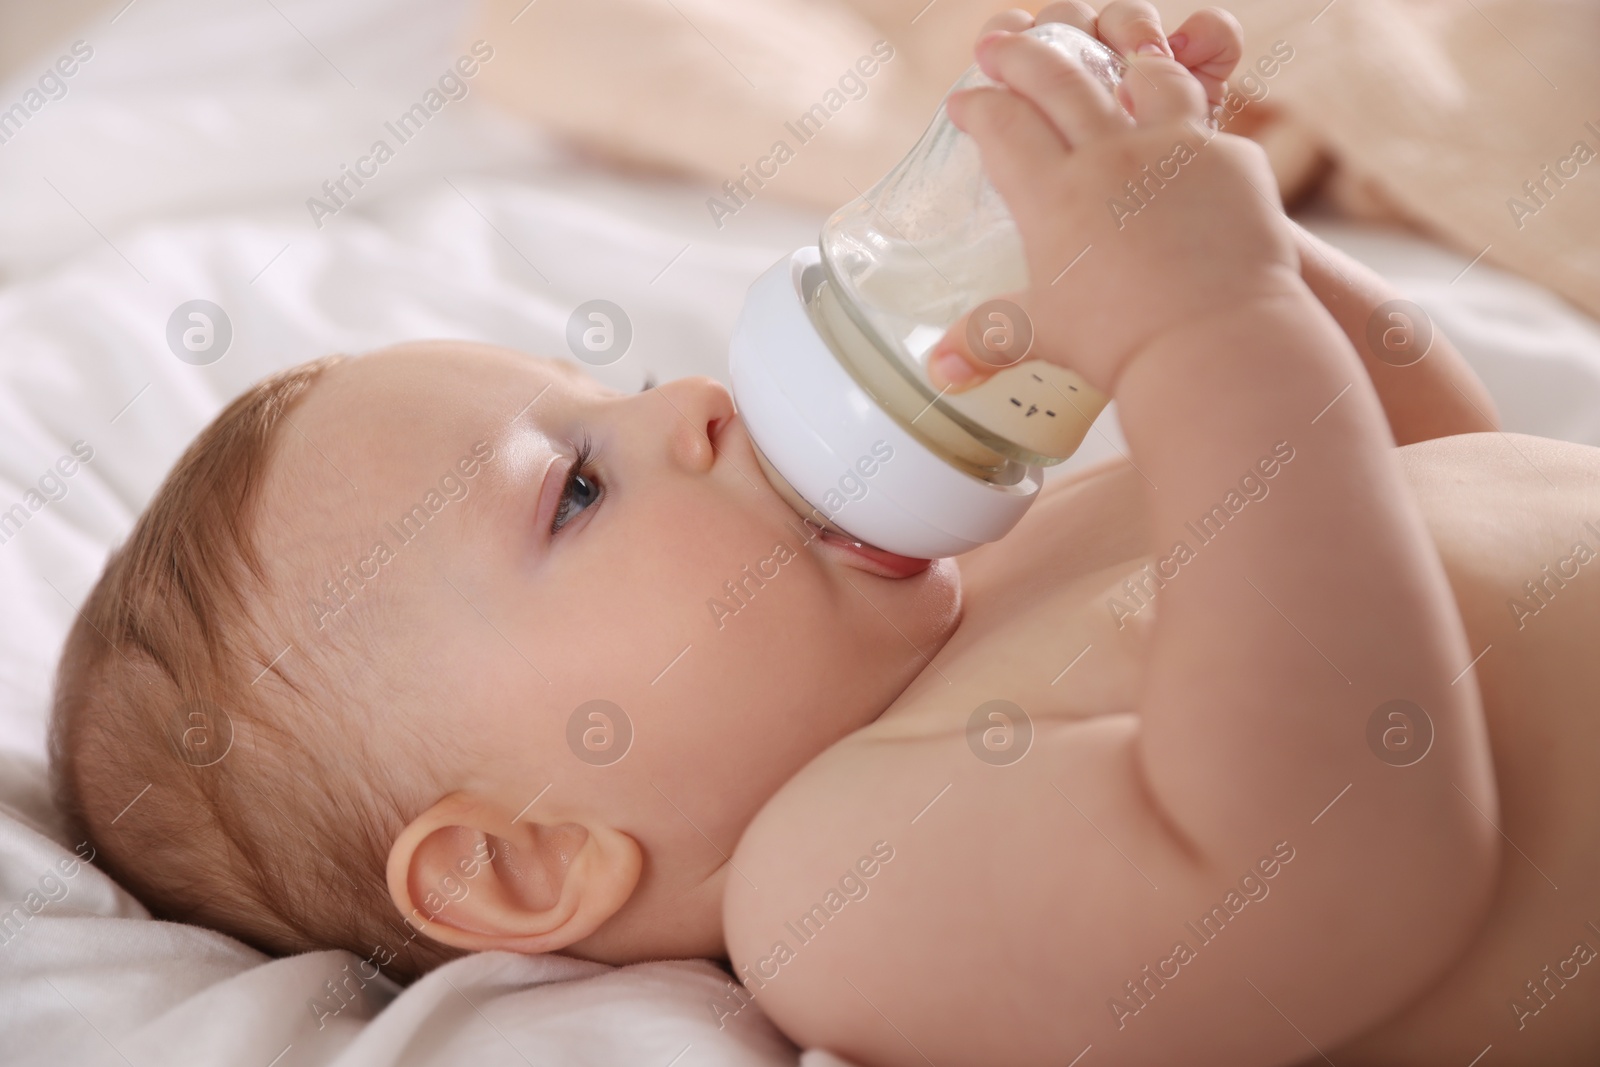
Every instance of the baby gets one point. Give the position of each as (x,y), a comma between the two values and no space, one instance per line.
(419,654)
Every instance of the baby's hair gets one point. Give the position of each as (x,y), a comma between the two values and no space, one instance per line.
(194,757)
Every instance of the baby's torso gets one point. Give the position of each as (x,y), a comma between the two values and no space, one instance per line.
(1048,658)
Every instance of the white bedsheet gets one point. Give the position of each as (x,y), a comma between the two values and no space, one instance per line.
(176,168)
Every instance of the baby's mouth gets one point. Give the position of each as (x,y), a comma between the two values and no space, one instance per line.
(888,564)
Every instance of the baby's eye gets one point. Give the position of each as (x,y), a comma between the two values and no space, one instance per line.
(582,488)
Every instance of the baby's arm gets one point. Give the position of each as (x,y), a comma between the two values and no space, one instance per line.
(1284,631)
(1426,387)
(1049,905)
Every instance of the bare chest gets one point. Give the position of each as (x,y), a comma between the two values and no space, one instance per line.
(1049,628)
(1055,630)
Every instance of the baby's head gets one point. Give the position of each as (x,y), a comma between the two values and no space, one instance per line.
(342,683)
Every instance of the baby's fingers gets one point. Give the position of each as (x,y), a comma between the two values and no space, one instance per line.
(1161,90)
(954,366)
(1209,43)
(1019,146)
(1132,27)
(1061,88)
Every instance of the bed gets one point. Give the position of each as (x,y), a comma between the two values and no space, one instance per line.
(176,167)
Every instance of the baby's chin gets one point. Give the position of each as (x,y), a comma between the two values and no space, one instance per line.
(930,606)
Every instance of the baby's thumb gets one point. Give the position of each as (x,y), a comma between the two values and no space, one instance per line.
(991,337)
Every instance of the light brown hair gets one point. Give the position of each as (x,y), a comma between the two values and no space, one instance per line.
(218,784)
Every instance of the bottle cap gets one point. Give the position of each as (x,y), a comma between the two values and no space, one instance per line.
(864,471)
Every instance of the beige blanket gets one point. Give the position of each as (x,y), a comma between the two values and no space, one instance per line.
(1475,120)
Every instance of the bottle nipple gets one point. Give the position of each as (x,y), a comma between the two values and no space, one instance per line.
(807,512)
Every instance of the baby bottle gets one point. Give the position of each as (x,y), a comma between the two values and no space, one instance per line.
(828,360)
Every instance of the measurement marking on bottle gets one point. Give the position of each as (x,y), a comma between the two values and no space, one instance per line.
(1032,408)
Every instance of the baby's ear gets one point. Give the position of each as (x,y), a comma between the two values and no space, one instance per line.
(469,874)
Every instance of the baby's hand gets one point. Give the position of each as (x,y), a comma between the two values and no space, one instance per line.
(1208,43)
(1133,227)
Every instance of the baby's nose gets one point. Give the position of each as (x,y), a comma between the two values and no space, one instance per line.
(695,410)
